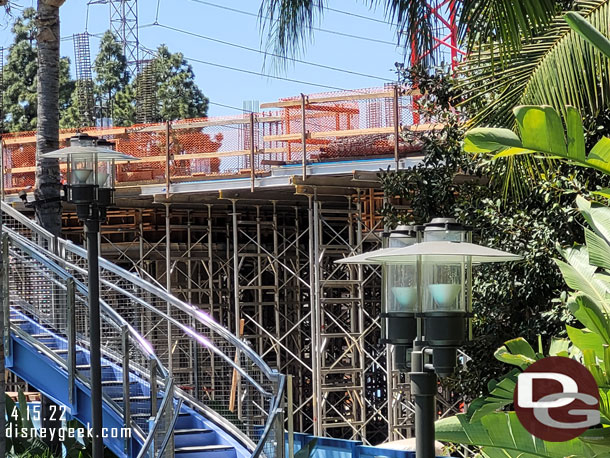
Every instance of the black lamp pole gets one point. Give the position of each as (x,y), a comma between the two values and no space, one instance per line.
(92,230)
(424,389)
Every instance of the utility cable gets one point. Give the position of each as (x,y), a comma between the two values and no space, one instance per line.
(235,45)
(318,29)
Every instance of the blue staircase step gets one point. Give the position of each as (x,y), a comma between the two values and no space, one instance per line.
(194,437)
(206,451)
(187,421)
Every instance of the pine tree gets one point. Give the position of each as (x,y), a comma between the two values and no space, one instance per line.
(178,96)
(111,74)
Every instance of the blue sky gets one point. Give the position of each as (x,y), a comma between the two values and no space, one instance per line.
(231,87)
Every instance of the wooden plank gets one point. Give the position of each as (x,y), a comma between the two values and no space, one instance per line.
(336,98)
(330,133)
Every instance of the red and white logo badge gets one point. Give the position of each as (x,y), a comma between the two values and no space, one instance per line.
(557,399)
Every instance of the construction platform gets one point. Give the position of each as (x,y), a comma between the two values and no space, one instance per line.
(245,216)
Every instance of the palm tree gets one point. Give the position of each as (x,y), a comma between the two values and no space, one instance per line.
(48,183)
(288,23)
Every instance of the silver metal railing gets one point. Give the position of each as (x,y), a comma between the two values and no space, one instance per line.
(213,370)
(42,291)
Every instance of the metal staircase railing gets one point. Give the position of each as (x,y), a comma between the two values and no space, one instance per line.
(42,291)
(214,372)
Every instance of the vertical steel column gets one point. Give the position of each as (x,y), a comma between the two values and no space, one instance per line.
(168,285)
(126,384)
(210,298)
(237,309)
(396,126)
(314,253)
(167,159)
(252,155)
(304,134)
(276,287)
(92,229)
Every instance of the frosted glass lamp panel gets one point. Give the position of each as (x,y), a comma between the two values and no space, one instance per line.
(442,287)
(81,169)
(445,236)
(401,287)
(103,174)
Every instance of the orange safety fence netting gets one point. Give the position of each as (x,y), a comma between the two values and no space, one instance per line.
(340,125)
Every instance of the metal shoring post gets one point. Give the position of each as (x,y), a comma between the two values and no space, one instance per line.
(396,127)
(299,307)
(290,414)
(126,394)
(312,310)
(276,286)
(168,286)
(317,316)
(237,309)
(141,242)
(189,268)
(252,155)
(360,324)
(304,135)
(210,298)
(259,282)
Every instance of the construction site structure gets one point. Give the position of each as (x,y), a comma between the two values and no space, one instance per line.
(244,217)
(84,80)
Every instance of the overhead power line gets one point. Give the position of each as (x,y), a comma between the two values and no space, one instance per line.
(235,45)
(347,13)
(318,29)
(251,72)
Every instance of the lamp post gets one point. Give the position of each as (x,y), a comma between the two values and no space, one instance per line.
(427,287)
(90,178)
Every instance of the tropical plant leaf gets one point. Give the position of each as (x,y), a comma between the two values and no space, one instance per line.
(598,216)
(501,434)
(541,129)
(586,340)
(541,132)
(590,314)
(500,395)
(559,347)
(517,352)
(588,32)
(599,251)
(557,68)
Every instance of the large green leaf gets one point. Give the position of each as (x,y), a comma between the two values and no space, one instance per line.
(541,133)
(590,314)
(557,68)
(586,340)
(500,395)
(501,434)
(588,32)
(597,215)
(517,352)
(599,250)
(541,129)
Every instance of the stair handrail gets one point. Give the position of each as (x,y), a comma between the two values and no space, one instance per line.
(55,263)
(199,315)
(108,315)
(62,249)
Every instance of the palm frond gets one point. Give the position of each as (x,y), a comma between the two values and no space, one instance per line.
(557,69)
(506,22)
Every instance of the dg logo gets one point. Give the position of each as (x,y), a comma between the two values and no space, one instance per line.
(557,399)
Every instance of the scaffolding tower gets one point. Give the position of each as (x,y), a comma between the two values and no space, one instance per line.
(84,80)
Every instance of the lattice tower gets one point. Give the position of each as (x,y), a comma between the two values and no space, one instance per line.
(124,23)
(84,80)
(445,49)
